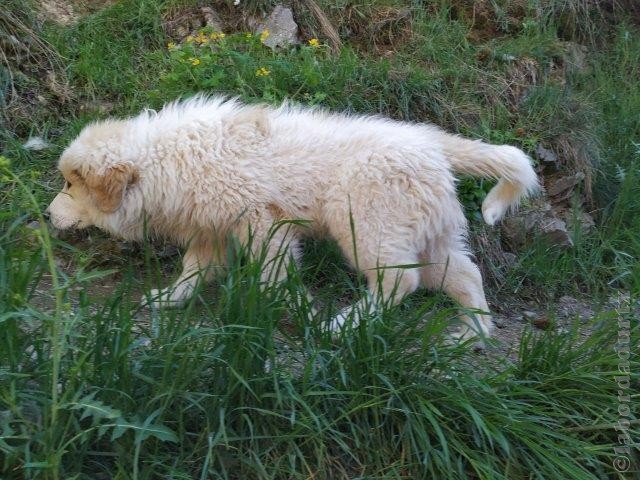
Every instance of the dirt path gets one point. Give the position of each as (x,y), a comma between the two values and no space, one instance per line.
(505,343)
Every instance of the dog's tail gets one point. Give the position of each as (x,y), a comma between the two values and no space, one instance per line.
(509,165)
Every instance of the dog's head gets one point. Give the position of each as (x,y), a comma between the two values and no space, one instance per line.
(98,179)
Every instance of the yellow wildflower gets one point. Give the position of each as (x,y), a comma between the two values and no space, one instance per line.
(264,35)
(190,39)
(171,46)
(248,35)
(194,61)
(262,72)
(221,35)
(314,42)
(201,38)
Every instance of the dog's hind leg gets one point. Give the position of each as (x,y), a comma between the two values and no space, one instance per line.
(449,268)
(197,265)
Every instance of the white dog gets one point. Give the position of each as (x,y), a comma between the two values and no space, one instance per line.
(201,170)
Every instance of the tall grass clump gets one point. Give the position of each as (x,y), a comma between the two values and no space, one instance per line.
(221,390)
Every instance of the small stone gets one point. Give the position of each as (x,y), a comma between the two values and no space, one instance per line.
(499,322)
(542,322)
(479,347)
(555,231)
(514,231)
(539,321)
(211,18)
(36,144)
(62,13)
(281,27)
(545,155)
(33,225)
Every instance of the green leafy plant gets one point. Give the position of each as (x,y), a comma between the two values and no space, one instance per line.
(213,61)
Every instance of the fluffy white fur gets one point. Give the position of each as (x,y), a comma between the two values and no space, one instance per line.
(201,170)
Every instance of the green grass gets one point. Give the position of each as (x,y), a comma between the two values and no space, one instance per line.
(218,391)
(239,384)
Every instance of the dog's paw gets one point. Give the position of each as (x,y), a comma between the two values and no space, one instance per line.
(163,298)
(466,335)
(350,316)
(337,323)
(469,333)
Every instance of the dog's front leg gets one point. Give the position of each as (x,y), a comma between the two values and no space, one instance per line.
(197,265)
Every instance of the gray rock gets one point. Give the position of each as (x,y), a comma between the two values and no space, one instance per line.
(555,231)
(211,18)
(36,144)
(518,229)
(563,187)
(282,28)
(545,155)
(539,220)
(499,322)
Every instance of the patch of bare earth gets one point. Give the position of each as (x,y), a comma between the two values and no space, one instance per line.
(65,12)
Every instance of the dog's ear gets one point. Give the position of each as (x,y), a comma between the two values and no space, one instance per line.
(108,188)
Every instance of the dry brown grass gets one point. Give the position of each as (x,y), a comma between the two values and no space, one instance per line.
(34,70)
